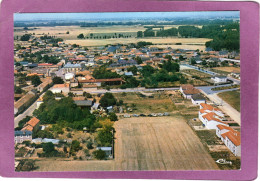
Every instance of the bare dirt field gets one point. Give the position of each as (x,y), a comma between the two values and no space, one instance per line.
(228,69)
(165,143)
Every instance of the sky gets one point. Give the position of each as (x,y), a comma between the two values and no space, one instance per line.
(82,16)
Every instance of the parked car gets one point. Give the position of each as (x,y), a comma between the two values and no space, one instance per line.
(160,114)
(135,115)
(154,114)
(127,116)
(143,115)
(166,114)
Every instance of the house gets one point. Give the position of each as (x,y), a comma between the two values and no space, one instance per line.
(81,102)
(39,102)
(47,82)
(32,125)
(69,67)
(219,79)
(24,102)
(188,90)
(60,88)
(107,150)
(231,138)
(21,136)
(197,99)
(210,116)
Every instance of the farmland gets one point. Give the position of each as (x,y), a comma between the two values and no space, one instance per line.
(159,144)
(74,31)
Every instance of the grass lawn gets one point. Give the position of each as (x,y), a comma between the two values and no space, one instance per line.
(232,98)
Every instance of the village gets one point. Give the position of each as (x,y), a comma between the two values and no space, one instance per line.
(76,103)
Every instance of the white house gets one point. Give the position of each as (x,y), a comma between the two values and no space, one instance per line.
(197,99)
(210,116)
(231,138)
(219,79)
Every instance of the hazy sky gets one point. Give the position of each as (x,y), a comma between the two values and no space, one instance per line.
(80,16)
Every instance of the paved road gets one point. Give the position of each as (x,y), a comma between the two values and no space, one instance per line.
(208,89)
(132,90)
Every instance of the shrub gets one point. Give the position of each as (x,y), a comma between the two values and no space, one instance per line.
(99,154)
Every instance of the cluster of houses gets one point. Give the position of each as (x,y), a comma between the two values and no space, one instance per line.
(25,134)
(213,118)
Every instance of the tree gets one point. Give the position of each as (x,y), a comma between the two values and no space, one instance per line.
(70,94)
(193,61)
(139,34)
(67,32)
(132,69)
(107,100)
(25,37)
(87,95)
(99,154)
(112,116)
(105,137)
(48,147)
(80,36)
(36,80)
(57,80)
(48,96)
(23,121)
(75,146)
(138,60)
(18,90)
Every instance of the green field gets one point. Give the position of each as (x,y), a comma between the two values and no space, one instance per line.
(232,98)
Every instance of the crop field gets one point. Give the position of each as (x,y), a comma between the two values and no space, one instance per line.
(159,103)
(74,31)
(165,143)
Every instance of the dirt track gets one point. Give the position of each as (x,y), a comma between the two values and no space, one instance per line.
(159,144)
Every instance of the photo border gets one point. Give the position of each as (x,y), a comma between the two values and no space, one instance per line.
(249,53)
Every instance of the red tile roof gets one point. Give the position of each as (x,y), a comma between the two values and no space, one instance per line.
(211,117)
(31,124)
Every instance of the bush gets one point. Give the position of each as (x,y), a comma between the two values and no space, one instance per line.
(89,145)
(99,154)
(86,152)
(26,165)
(69,135)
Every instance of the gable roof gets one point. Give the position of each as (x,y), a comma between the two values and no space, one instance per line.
(212,117)
(31,124)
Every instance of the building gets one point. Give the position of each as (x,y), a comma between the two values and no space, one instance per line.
(219,79)
(188,90)
(21,136)
(107,150)
(210,116)
(39,102)
(60,88)
(32,125)
(24,102)
(47,82)
(81,102)
(231,138)
(69,67)
(197,99)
